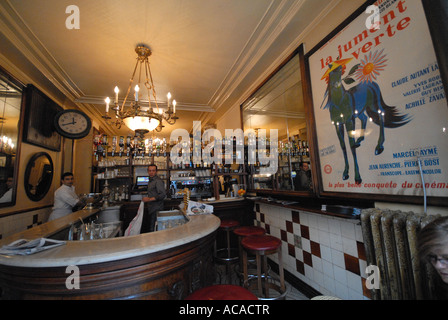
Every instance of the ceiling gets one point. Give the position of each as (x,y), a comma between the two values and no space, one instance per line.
(210,54)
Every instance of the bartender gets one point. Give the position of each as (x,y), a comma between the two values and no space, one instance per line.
(154,200)
(302,180)
(65,198)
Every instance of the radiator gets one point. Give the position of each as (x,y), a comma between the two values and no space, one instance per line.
(390,241)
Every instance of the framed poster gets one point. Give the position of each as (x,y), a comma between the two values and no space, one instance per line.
(40,111)
(379,106)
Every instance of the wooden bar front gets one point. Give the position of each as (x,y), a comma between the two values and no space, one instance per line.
(165,265)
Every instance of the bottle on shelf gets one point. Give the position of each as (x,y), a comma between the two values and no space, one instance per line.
(121,145)
(114,145)
(128,145)
(104,143)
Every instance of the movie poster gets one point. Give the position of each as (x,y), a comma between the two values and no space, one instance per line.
(379,105)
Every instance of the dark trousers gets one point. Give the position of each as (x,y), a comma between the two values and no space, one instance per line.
(150,216)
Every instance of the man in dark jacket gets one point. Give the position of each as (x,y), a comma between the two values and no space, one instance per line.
(302,180)
(154,200)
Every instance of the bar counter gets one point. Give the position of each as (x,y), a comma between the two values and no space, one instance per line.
(167,264)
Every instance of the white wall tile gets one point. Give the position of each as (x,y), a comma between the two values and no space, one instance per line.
(341,290)
(354,281)
(312,221)
(324,238)
(329,284)
(358,233)
(362,267)
(309,272)
(348,230)
(304,218)
(350,247)
(306,245)
(318,278)
(337,257)
(327,268)
(314,234)
(336,242)
(334,226)
(340,275)
(317,263)
(290,237)
(323,224)
(325,253)
(296,228)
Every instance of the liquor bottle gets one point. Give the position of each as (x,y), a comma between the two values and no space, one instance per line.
(114,145)
(104,143)
(128,145)
(121,144)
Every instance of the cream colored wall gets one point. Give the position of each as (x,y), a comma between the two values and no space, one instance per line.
(26,213)
(82,163)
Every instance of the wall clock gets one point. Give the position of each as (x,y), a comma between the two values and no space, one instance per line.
(72,123)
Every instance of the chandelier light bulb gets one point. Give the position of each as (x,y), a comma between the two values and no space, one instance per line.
(174,106)
(137,89)
(107,104)
(116,90)
(168,100)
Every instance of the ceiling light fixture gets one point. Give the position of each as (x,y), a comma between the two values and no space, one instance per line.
(141,119)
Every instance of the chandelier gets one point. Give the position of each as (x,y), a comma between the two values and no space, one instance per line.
(139,118)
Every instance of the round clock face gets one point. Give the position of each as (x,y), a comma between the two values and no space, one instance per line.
(72,124)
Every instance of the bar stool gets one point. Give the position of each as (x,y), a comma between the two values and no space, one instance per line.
(227,255)
(262,246)
(222,292)
(246,231)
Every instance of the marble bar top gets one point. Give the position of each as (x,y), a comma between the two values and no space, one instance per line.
(49,228)
(105,250)
(222,200)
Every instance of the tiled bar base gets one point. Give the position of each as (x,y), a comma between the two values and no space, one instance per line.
(325,252)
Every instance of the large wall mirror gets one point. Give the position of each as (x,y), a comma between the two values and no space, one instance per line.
(278,104)
(10,110)
(38,176)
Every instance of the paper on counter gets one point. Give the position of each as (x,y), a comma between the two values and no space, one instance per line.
(26,247)
(195,208)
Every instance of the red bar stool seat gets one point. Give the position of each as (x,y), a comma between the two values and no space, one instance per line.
(262,246)
(246,231)
(227,254)
(222,292)
(228,224)
(242,232)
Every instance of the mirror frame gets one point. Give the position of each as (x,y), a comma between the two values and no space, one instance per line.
(29,166)
(299,51)
(16,162)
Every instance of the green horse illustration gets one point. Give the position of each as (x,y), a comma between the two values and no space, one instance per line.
(363,101)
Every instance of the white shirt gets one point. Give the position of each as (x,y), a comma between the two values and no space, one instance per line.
(65,199)
(7,197)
